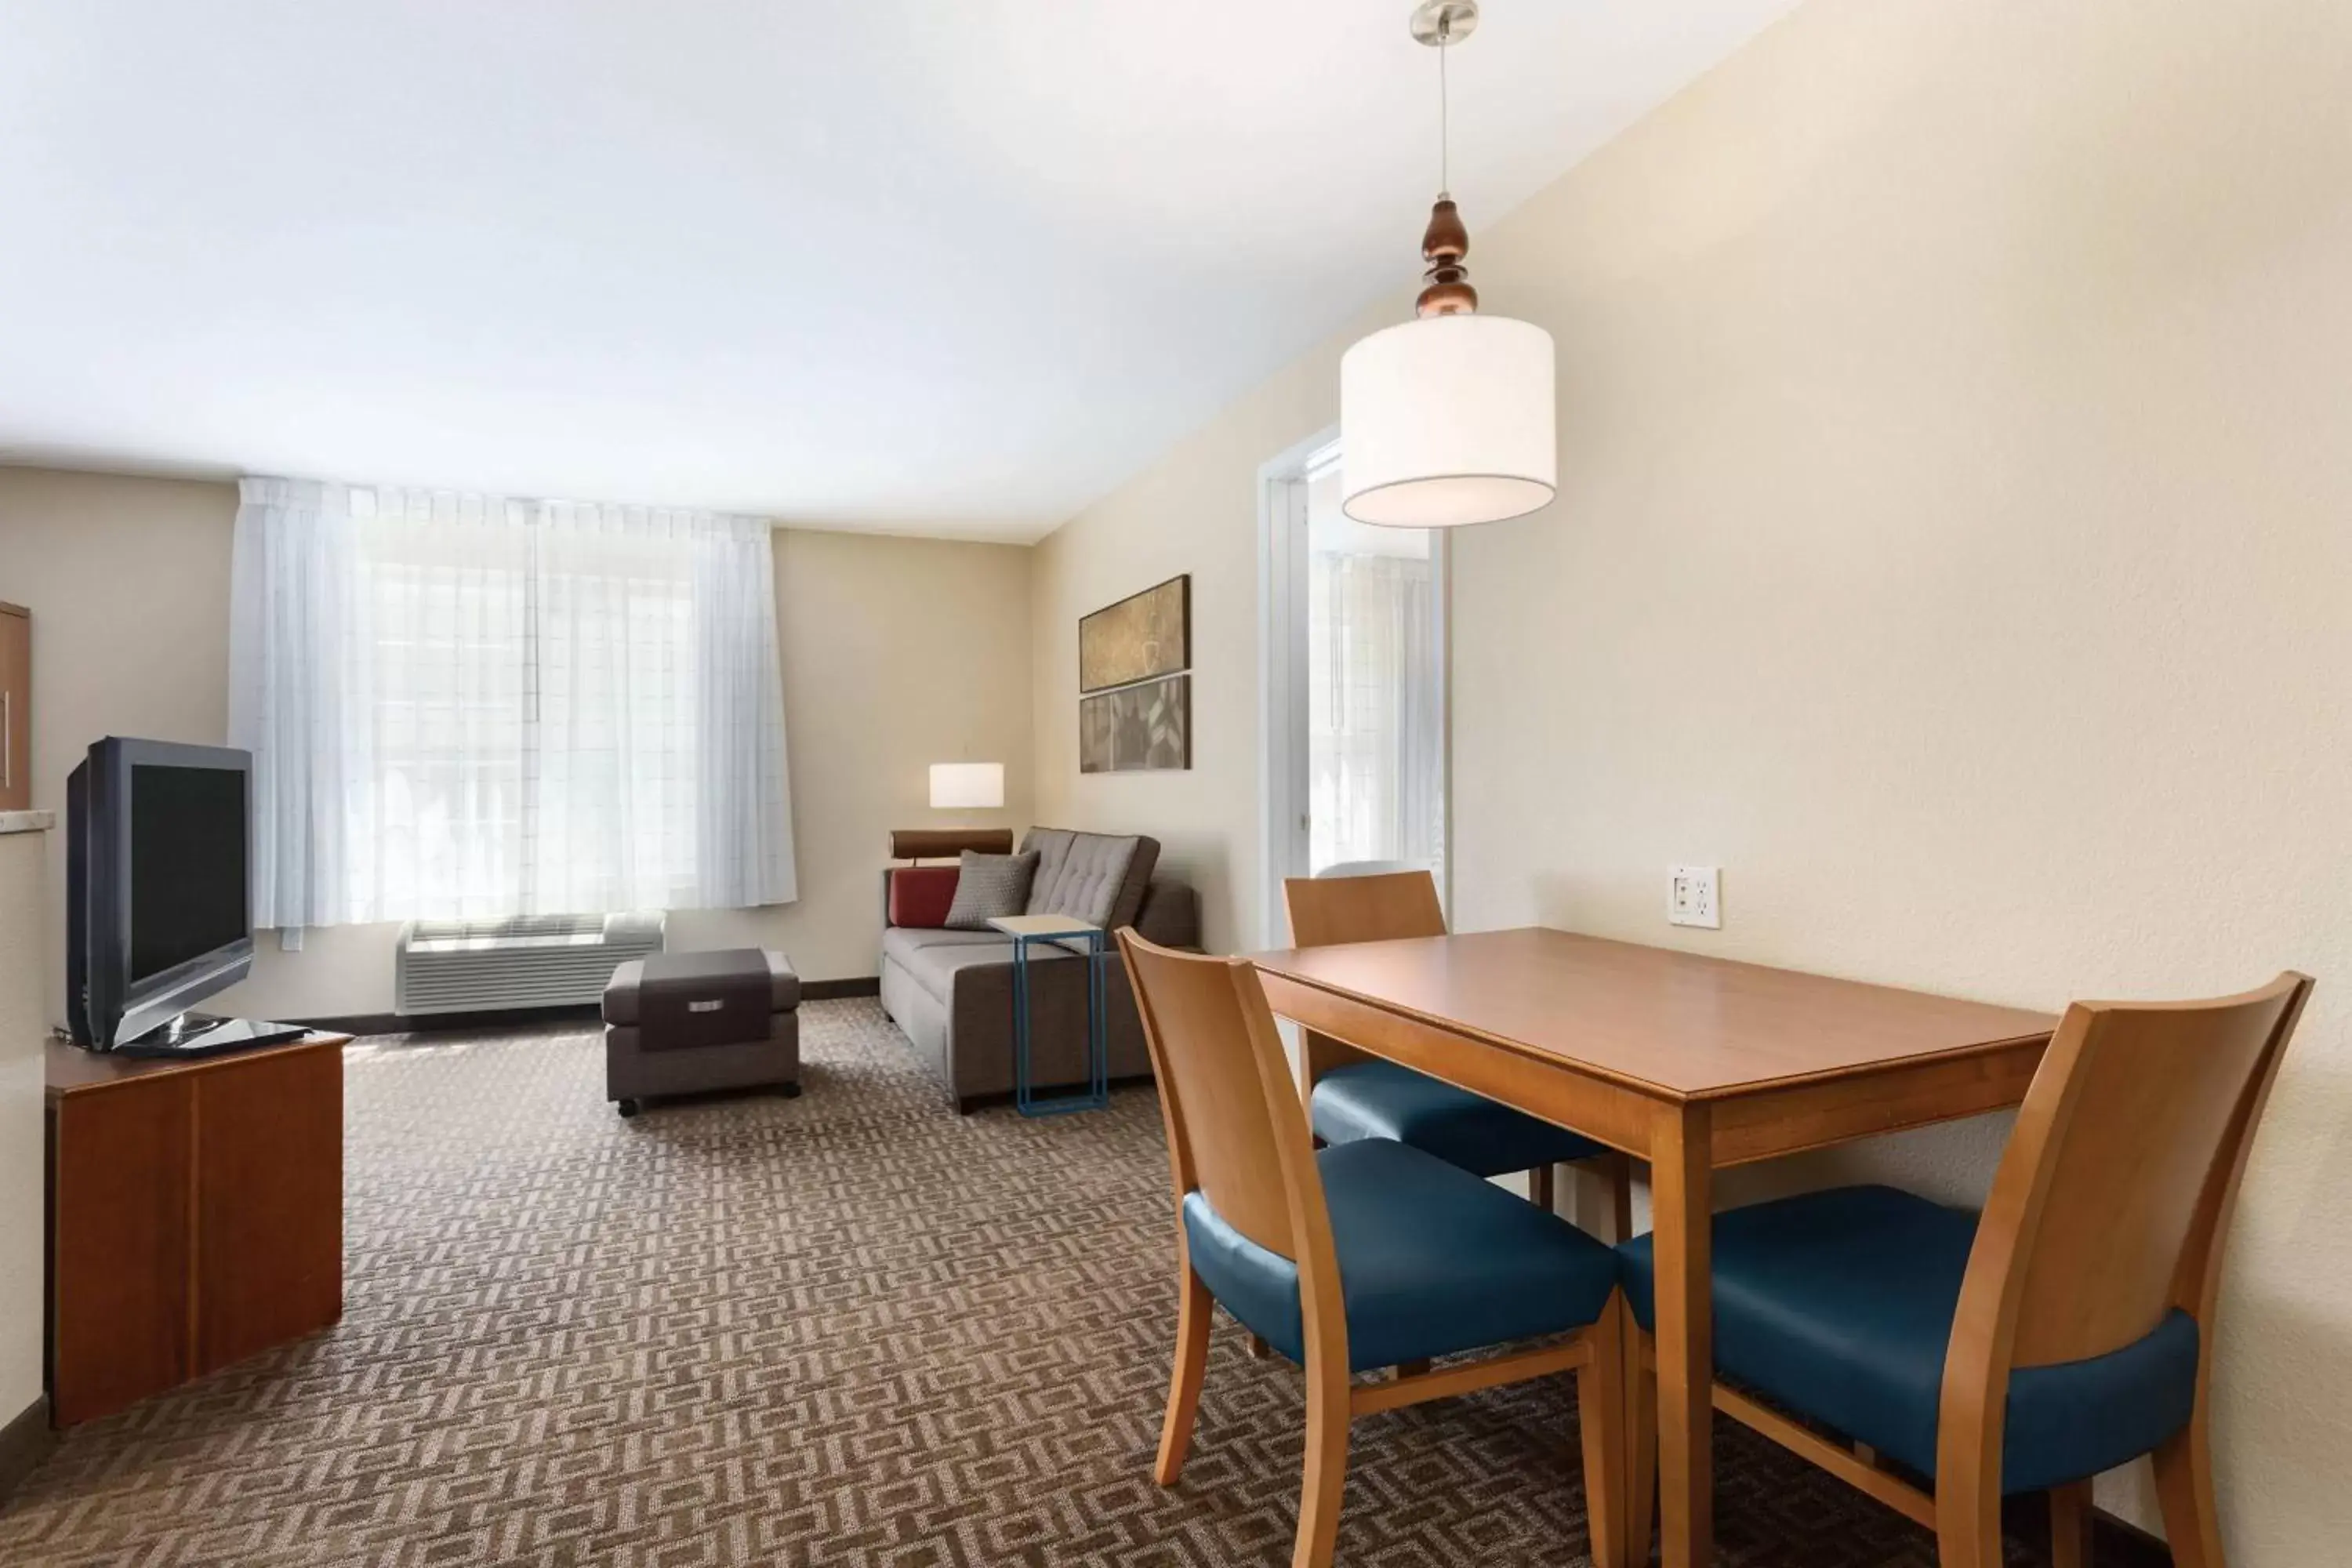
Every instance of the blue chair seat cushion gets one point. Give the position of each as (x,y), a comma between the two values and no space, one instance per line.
(1381,1099)
(1839,1305)
(1432,1260)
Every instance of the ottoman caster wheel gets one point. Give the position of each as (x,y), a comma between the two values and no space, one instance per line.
(629,1108)
(790,1091)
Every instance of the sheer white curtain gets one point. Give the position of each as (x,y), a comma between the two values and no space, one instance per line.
(1376,753)
(471,707)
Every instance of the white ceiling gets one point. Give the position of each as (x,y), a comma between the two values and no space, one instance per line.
(950,266)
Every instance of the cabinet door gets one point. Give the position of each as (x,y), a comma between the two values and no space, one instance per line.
(120,1314)
(16,709)
(269,1200)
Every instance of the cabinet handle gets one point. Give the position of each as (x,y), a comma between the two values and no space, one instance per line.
(7,740)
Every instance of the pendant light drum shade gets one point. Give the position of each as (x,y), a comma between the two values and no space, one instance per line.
(1447,420)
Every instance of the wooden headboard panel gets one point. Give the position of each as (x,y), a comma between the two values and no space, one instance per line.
(945,843)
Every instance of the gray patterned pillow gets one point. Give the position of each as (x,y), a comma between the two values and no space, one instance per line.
(987,886)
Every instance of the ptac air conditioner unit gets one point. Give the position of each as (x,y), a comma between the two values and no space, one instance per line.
(533,960)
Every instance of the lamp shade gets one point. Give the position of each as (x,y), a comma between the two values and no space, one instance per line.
(1447,420)
(967,786)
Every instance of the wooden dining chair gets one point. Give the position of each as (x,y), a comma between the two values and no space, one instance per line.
(1352,1095)
(1357,1258)
(2067,1331)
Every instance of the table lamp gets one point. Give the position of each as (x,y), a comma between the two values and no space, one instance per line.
(967,786)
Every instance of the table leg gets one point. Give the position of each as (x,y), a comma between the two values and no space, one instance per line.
(1090,952)
(1681,1201)
(1020,1096)
(1099,1017)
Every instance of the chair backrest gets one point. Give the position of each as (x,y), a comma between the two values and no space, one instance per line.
(1324,911)
(1235,1131)
(2111,1205)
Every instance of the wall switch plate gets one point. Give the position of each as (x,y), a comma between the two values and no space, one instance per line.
(1693,896)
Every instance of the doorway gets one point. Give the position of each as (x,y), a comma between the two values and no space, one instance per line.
(1354,661)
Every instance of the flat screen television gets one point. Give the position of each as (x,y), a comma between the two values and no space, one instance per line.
(159,892)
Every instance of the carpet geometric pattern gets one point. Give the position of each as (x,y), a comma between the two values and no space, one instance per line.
(850,1329)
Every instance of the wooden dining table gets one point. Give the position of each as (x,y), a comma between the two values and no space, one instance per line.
(1689,1062)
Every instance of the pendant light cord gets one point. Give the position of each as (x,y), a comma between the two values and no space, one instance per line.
(1444,126)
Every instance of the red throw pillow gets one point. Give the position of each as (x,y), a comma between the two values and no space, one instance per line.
(920,896)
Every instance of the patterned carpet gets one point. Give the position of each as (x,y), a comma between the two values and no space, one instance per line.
(850,1329)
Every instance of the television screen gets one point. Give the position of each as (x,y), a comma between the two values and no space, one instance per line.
(187,864)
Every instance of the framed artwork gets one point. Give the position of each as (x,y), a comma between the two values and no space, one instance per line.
(1143,636)
(1141,728)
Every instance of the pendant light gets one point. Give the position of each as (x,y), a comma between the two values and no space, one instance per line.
(1447,419)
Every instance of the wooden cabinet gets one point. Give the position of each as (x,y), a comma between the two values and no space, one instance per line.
(195,1215)
(16,709)
(119,1302)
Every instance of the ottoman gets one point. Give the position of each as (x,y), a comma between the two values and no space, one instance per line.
(690,1023)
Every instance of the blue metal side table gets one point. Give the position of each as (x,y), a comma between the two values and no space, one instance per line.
(1091,941)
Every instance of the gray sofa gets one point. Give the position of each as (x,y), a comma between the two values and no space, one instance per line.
(951,990)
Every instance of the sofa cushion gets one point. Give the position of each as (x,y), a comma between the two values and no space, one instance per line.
(934,965)
(922,953)
(921,895)
(1098,877)
(989,887)
(1078,874)
(1136,885)
(897,942)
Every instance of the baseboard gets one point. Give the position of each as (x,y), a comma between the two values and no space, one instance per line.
(509,1017)
(435,1023)
(2116,1543)
(25,1442)
(834,990)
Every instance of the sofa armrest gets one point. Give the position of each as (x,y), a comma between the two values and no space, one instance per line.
(1171,916)
(919,896)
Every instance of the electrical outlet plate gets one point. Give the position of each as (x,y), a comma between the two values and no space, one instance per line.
(1695,895)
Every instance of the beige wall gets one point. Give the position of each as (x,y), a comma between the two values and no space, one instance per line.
(1953,546)
(898,653)
(1194,511)
(22,911)
(128,583)
(1954,543)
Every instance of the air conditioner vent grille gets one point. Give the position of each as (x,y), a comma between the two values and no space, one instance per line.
(533,960)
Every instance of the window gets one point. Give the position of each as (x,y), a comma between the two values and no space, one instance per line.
(1375,737)
(513,708)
